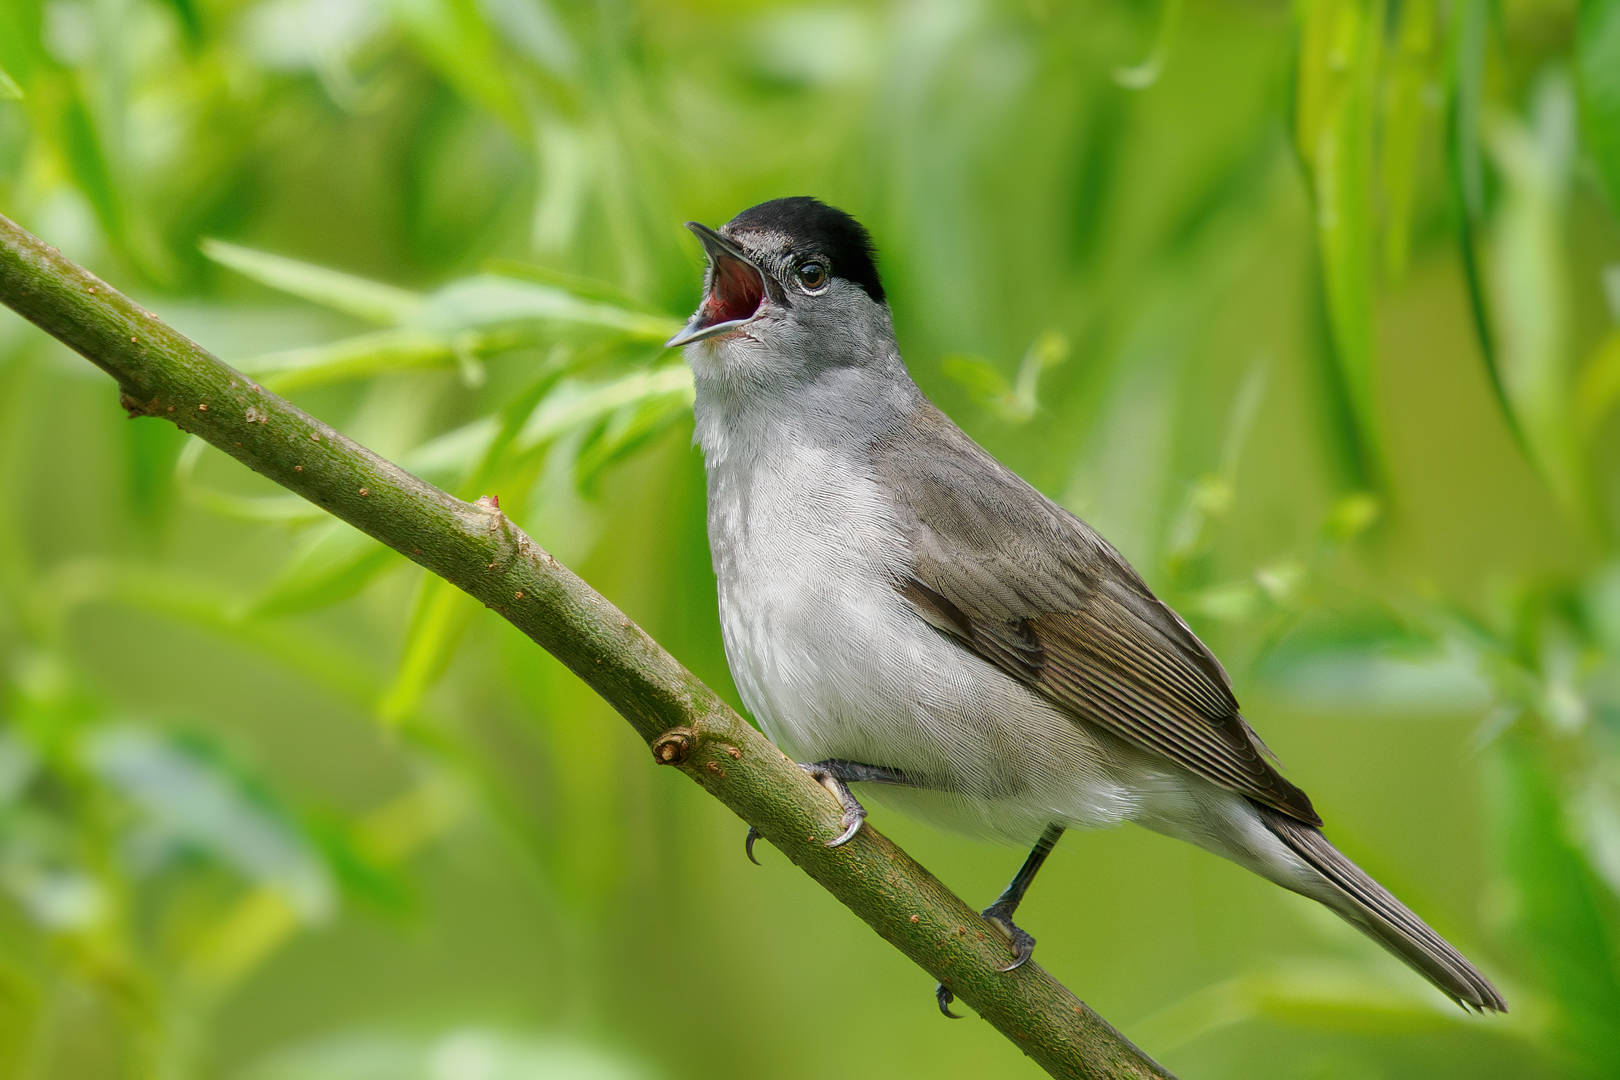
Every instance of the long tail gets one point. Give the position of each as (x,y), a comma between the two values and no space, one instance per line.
(1372,910)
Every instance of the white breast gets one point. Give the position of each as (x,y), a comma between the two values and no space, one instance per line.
(833,662)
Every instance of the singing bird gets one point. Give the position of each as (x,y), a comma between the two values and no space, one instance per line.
(903,612)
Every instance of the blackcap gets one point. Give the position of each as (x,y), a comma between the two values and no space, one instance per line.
(904,613)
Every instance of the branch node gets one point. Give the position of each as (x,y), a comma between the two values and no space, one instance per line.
(674,746)
(135,407)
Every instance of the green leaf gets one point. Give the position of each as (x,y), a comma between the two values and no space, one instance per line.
(1334,115)
(1465,170)
(44,873)
(190,798)
(582,287)
(1599,386)
(448,457)
(282,508)
(486,300)
(223,950)
(573,405)
(1405,119)
(452,328)
(453,36)
(371,301)
(1597,75)
(468,1052)
(381,888)
(333,566)
(352,358)
(287,509)
(152,451)
(514,416)
(978,376)
(441,616)
(1016,401)
(1143,75)
(626,430)
(87,160)
(1211,496)
(8,87)
(1530,285)
(1319,995)
(1567,918)
(20,42)
(324,662)
(1350,516)
(190,20)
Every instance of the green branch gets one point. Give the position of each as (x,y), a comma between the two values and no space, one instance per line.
(478,549)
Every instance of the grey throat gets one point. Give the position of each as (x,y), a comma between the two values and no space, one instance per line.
(903,613)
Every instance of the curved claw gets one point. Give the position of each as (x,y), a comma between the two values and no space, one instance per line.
(1023,945)
(945,997)
(748,845)
(854,813)
(852,825)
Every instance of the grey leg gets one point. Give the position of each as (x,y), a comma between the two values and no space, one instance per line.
(1001,912)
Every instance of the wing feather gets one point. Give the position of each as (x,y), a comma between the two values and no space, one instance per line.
(1031,589)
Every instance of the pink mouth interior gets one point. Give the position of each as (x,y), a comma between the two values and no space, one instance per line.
(736,292)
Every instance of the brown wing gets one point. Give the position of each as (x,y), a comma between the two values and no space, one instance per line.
(1031,589)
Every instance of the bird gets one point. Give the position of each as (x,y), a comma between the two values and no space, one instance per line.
(902,612)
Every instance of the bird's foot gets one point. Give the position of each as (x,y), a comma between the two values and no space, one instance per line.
(999,915)
(945,997)
(853,812)
(832,775)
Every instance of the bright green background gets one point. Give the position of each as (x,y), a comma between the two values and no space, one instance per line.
(1312,311)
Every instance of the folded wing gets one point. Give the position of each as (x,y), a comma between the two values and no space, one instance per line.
(1031,589)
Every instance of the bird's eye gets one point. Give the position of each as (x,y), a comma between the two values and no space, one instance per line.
(812,275)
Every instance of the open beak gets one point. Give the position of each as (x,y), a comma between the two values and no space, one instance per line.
(736,290)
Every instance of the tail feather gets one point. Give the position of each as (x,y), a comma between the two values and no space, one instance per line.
(1374,911)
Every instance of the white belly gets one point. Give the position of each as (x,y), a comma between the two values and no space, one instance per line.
(835,669)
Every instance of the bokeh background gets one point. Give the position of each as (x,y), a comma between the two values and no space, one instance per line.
(1312,309)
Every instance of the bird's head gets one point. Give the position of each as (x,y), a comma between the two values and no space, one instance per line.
(792,287)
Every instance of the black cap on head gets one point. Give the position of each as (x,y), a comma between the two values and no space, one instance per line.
(812,225)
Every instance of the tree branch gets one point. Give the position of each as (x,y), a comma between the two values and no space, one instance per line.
(478,549)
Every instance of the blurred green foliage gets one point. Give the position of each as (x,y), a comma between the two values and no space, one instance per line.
(1313,310)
